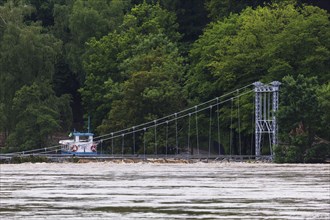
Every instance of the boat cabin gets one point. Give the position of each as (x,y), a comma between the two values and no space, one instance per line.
(82,143)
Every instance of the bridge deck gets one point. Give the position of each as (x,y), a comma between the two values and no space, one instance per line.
(135,158)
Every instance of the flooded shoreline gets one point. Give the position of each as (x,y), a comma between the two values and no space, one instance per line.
(132,159)
(104,190)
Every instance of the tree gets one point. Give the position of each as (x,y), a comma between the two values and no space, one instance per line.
(26,55)
(266,43)
(43,12)
(323,95)
(219,9)
(91,19)
(191,17)
(299,120)
(27,61)
(75,23)
(153,89)
(145,41)
(39,114)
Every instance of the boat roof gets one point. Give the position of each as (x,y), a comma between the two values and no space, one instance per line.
(66,141)
(82,134)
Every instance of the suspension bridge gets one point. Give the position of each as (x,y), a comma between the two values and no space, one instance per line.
(238,125)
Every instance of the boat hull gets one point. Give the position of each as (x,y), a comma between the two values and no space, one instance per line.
(81,148)
(78,153)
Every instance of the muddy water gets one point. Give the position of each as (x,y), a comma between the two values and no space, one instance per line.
(164,191)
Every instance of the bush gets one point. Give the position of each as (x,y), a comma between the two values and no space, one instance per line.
(288,154)
(30,158)
(317,153)
(279,152)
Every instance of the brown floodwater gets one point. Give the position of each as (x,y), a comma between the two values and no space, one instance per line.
(165,191)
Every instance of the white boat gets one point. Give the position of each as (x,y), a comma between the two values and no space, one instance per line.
(82,143)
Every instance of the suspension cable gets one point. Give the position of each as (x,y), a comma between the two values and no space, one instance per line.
(133,141)
(182,116)
(197,139)
(176,135)
(189,134)
(231,126)
(122,146)
(239,125)
(112,144)
(218,119)
(166,144)
(144,142)
(169,117)
(178,113)
(210,131)
(155,121)
(252,126)
(113,136)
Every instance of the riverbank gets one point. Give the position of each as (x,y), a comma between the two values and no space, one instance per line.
(173,159)
(133,159)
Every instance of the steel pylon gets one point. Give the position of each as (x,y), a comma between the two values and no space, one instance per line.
(266,106)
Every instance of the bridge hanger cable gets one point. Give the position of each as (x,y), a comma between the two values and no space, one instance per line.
(188,141)
(231,126)
(144,143)
(176,118)
(176,134)
(197,137)
(166,144)
(47,151)
(239,125)
(36,151)
(150,124)
(122,144)
(210,131)
(153,123)
(178,113)
(112,146)
(252,125)
(155,137)
(133,141)
(218,125)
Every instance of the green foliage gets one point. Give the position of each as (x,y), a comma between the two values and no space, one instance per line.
(126,62)
(137,66)
(299,119)
(317,153)
(75,23)
(323,96)
(288,154)
(219,9)
(148,18)
(300,112)
(39,113)
(27,55)
(91,19)
(43,11)
(61,16)
(191,17)
(94,18)
(265,43)
(110,61)
(29,159)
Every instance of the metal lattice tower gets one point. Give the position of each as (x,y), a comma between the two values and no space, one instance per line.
(266,106)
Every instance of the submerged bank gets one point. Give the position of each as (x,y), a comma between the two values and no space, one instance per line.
(17,159)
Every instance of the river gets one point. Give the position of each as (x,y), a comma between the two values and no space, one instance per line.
(219,190)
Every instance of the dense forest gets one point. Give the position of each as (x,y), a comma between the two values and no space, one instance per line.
(125,62)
